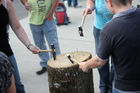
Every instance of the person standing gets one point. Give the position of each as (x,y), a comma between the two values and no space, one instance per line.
(8,17)
(75,3)
(102,16)
(42,24)
(118,39)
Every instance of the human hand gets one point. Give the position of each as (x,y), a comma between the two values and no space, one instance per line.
(27,6)
(34,50)
(83,66)
(87,11)
(49,17)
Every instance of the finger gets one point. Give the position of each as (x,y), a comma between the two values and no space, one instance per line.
(84,12)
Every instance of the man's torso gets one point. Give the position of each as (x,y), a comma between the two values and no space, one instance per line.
(121,35)
(38,10)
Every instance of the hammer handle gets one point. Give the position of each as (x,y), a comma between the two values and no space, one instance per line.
(75,61)
(83,20)
(47,50)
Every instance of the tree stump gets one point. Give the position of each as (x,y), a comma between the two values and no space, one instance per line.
(65,77)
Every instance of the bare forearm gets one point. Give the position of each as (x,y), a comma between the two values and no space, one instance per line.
(23,1)
(16,26)
(54,5)
(18,29)
(22,36)
(90,3)
(94,63)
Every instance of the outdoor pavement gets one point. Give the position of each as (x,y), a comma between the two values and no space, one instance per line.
(69,40)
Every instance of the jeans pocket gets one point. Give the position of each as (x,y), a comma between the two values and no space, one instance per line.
(50,25)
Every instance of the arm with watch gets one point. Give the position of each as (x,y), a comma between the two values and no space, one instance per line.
(22,36)
(18,29)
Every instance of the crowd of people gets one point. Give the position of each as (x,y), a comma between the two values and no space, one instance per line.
(116,31)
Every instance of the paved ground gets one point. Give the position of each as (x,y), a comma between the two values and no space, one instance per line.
(69,41)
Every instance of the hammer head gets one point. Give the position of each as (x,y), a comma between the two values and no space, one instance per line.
(69,57)
(53,51)
(80,31)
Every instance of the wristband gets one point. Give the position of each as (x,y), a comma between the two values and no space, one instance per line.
(28,46)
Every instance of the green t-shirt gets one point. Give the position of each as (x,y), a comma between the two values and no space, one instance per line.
(38,10)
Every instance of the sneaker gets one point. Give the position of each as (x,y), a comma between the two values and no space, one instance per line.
(43,70)
(77,6)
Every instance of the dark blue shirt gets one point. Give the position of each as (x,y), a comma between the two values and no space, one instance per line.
(120,38)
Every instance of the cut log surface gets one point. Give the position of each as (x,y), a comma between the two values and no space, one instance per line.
(63,62)
(65,77)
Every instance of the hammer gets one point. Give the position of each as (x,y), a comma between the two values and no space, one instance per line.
(80,27)
(53,50)
(72,60)
(138,6)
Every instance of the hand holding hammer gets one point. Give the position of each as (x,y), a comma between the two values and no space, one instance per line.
(82,65)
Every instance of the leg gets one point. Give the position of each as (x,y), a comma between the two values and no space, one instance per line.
(104,77)
(111,77)
(69,2)
(104,70)
(75,3)
(49,28)
(66,16)
(39,40)
(19,85)
(116,91)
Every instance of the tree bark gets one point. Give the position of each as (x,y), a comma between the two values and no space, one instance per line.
(69,79)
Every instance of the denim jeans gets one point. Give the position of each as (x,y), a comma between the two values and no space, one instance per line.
(116,91)
(75,3)
(40,32)
(105,72)
(119,91)
(19,85)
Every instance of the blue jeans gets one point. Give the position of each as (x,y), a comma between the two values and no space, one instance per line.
(106,75)
(19,85)
(75,3)
(47,29)
(119,91)
(116,91)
